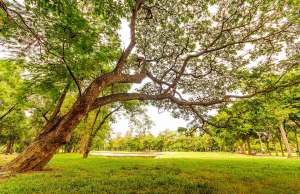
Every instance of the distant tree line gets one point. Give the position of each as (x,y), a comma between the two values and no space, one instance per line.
(166,141)
(222,141)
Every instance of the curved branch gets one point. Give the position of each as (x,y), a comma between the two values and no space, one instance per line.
(95,119)
(94,133)
(122,60)
(203,120)
(121,97)
(168,96)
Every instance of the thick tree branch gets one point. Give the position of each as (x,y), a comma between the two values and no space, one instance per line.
(167,96)
(121,97)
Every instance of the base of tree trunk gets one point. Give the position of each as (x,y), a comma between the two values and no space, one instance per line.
(285,140)
(9,147)
(34,157)
(85,154)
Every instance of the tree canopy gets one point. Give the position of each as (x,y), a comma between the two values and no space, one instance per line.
(188,57)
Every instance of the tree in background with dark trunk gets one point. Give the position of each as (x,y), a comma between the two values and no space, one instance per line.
(285,140)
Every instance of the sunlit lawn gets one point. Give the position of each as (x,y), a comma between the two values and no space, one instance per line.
(170,173)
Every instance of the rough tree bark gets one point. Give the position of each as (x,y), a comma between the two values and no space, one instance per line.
(37,155)
(55,133)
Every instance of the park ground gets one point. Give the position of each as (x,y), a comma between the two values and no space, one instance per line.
(174,172)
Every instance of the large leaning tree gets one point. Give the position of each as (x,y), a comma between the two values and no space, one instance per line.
(187,56)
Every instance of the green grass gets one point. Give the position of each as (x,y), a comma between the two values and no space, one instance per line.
(219,173)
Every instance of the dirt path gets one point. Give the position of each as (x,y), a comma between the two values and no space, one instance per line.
(112,154)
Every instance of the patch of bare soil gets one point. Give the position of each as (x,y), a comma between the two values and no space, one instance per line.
(113,154)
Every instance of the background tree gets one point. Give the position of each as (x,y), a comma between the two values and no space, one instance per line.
(265,117)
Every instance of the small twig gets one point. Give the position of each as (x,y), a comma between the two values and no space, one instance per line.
(9,110)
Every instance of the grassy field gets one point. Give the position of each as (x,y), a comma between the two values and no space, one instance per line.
(219,173)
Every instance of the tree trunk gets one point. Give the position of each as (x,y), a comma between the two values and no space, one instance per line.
(285,140)
(242,148)
(9,146)
(56,133)
(85,134)
(87,140)
(280,143)
(268,147)
(248,146)
(276,151)
(83,141)
(261,144)
(297,143)
(87,147)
